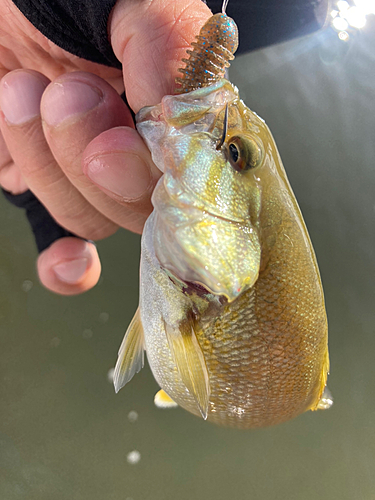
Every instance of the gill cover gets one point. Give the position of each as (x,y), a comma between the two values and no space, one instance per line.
(207,212)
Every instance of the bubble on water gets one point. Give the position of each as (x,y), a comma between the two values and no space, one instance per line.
(27,286)
(133,457)
(103,317)
(55,342)
(132,416)
(87,333)
(110,375)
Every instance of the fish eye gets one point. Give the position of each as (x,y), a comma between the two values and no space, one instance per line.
(243,153)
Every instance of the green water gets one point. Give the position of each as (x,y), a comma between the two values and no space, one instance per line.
(65,435)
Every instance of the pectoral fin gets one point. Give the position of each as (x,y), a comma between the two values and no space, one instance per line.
(131,354)
(190,362)
(162,400)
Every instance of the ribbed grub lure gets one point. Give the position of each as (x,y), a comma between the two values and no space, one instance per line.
(212,52)
(231,310)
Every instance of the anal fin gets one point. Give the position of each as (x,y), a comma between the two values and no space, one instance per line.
(131,354)
(190,362)
(162,400)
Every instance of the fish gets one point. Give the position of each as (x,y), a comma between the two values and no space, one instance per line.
(231,308)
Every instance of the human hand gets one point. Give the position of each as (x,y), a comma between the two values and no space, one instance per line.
(79,119)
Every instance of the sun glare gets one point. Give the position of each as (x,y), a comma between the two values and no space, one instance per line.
(350,16)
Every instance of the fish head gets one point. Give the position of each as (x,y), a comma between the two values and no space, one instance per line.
(210,147)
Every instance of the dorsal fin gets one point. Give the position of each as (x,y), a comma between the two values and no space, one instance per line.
(131,354)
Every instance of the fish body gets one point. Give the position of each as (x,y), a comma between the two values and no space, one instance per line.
(231,310)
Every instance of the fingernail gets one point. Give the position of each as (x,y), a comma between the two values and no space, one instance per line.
(126,175)
(63,100)
(20,96)
(71,271)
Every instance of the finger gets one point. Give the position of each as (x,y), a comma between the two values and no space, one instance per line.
(20,96)
(150,41)
(11,178)
(118,162)
(10,175)
(65,124)
(69,266)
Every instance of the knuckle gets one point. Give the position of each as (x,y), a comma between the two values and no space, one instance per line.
(34,154)
(91,226)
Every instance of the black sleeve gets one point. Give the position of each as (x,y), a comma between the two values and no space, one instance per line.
(80,26)
(45,229)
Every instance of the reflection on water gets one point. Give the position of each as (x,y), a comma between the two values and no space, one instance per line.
(64,434)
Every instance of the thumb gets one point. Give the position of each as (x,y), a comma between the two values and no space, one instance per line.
(150,38)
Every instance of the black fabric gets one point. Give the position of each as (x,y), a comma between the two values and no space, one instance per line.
(45,228)
(80,26)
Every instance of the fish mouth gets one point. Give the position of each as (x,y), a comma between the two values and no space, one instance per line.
(199,288)
(192,288)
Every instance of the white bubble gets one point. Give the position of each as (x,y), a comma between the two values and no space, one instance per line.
(133,457)
(87,333)
(55,342)
(110,375)
(132,416)
(103,317)
(27,286)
